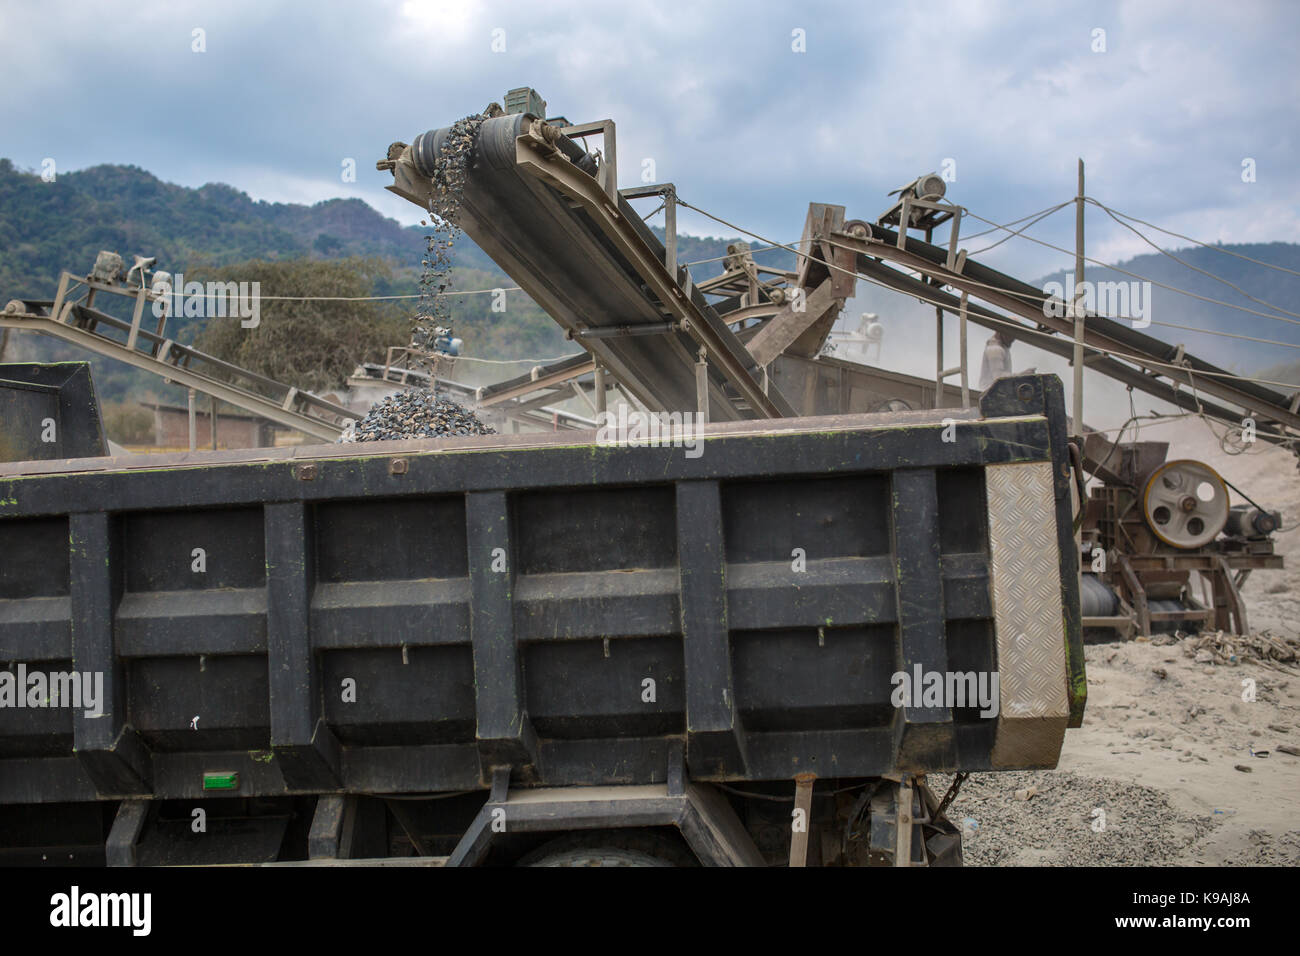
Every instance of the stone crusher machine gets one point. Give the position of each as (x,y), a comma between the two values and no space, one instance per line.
(1163,549)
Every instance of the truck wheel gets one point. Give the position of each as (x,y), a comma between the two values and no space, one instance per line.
(598,856)
(610,848)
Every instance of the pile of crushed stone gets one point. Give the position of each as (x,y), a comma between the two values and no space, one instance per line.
(1222,648)
(418,413)
(1266,850)
(1058,824)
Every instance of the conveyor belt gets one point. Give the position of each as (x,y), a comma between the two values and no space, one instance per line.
(1110,347)
(591,263)
(94,330)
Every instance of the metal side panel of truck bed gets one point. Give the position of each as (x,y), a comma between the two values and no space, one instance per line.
(408,616)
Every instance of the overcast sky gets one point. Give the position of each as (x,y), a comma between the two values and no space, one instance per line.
(1164,101)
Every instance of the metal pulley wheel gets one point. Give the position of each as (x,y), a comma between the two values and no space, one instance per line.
(892,405)
(1185,503)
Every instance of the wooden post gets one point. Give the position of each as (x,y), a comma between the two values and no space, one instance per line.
(803,795)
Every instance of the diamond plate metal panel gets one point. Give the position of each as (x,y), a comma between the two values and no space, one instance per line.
(1025,579)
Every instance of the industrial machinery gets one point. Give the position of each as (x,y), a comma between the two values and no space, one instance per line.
(1155,530)
(1163,549)
(72,316)
(557,613)
(747,642)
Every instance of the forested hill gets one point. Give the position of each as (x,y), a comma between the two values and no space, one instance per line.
(1213,273)
(48,227)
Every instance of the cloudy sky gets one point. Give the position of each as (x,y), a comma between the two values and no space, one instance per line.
(753,109)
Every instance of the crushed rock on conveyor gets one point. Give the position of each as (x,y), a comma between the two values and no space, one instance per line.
(418,413)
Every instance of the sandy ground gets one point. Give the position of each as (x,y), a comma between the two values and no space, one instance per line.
(1183,770)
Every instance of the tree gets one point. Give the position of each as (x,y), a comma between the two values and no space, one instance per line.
(327,245)
(313,345)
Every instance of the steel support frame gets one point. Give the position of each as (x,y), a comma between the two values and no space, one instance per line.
(581,188)
(706,820)
(1048,342)
(669,193)
(265,407)
(609,166)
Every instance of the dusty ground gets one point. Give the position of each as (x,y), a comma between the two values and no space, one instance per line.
(1184,769)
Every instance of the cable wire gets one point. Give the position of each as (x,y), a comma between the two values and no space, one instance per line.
(1033,215)
(1012,234)
(1203,272)
(1018,326)
(1134,275)
(1207,245)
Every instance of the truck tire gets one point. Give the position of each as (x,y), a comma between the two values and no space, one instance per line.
(610,848)
(598,856)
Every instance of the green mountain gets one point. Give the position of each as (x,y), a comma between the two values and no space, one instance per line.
(1174,315)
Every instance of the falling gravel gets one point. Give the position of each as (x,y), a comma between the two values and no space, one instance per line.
(455,157)
(415,414)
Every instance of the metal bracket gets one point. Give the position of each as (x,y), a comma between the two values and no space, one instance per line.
(706,820)
(669,193)
(607,174)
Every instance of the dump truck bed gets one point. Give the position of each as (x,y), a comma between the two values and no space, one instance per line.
(406,616)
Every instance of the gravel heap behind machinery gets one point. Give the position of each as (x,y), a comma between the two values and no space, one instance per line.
(418,413)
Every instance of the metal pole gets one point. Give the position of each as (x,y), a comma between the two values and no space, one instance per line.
(670,232)
(212,421)
(600,389)
(965,372)
(1078,308)
(193,436)
(702,388)
(1078,350)
(938,357)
